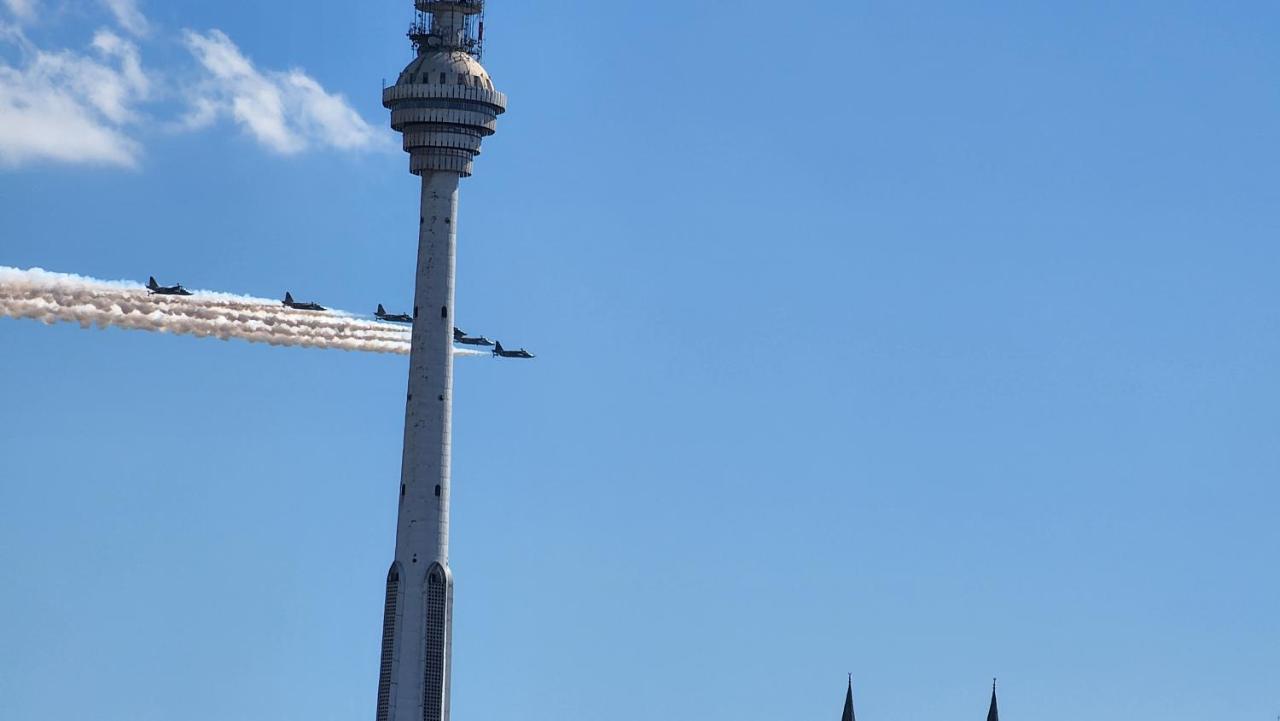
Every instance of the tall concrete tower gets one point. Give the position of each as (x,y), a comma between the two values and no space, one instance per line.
(444,104)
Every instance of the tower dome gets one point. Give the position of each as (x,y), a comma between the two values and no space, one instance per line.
(444,102)
(445,67)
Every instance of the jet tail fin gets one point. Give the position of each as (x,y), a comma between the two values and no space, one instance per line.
(288,298)
(151,283)
(497,348)
(381,310)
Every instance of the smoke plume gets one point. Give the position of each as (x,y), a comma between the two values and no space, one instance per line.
(58,297)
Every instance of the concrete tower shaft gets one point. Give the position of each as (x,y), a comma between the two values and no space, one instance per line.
(444,104)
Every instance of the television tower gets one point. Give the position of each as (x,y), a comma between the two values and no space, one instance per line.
(444,104)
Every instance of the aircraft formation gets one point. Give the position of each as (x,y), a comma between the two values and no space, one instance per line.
(459,336)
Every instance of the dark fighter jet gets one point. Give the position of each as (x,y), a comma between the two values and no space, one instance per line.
(500,352)
(460,336)
(155,288)
(289,302)
(382,314)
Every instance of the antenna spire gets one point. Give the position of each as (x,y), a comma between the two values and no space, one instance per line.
(448,25)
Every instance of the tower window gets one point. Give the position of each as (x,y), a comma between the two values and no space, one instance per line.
(437,490)
(444,311)
(442,80)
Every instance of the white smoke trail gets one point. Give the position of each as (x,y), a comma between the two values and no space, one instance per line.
(471,353)
(58,297)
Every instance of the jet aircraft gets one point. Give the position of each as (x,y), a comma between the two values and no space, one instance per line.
(500,352)
(289,302)
(155,288)
(382,314)
(460,336)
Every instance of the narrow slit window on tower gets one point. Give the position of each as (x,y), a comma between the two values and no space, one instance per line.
(444,311)
(435,622)
(462,78)
(389,612)
(442,79)
(437,490)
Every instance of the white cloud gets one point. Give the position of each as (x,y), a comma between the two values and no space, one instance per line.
(23,9)
(73,108)
(285,111)
(126,13)
(87,106)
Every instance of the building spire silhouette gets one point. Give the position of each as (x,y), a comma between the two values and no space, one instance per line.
(848,702)
(994,713)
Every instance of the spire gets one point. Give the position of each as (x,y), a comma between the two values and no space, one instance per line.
(994,713)
(848,702)
(448,25)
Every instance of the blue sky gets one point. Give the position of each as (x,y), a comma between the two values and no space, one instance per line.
(928,341)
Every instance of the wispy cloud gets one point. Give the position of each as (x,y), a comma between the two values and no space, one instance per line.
(70,107)
(22,9)
(86,107)
(287,112)
(126,13)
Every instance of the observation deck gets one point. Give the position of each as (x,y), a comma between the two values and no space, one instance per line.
(444,102)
